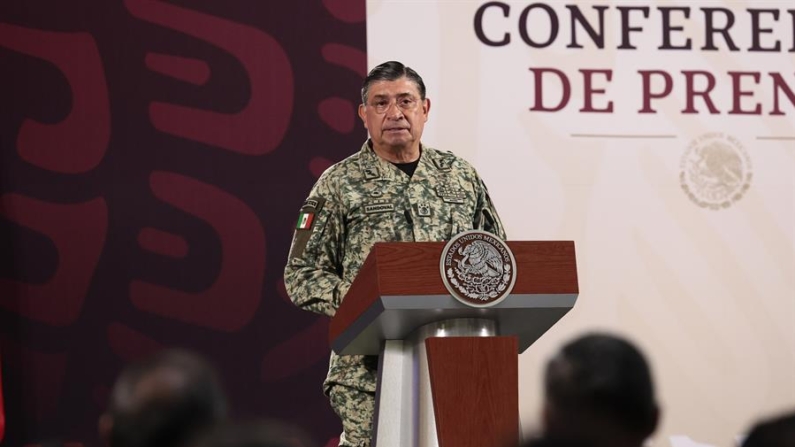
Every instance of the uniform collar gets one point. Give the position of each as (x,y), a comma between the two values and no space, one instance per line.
(374,167)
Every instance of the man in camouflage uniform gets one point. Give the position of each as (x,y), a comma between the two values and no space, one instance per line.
(393,189)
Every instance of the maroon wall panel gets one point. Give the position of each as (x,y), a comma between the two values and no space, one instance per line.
(153,157)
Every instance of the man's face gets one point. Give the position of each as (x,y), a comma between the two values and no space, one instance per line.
(394,114)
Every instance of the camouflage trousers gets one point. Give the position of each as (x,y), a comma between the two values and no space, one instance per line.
(355,408)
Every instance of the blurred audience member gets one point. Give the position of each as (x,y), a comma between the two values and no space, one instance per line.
(555,442)
(257,434)
(163,401)
(775,432)
(599,392)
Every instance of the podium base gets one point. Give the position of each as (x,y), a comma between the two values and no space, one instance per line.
(452,383)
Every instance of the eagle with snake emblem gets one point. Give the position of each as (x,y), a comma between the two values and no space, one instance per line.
(481,270)
(479,259)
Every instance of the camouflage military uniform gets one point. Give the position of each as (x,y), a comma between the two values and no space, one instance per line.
(359,201)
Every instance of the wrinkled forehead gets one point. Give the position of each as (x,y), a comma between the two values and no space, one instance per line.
(399,87)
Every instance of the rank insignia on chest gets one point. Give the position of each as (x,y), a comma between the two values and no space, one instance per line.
(450,193)
(443,164)
(371,172)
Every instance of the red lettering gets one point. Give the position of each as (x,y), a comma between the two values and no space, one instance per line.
(780,85)
(648,95)
(589,91)
(691,92)
(538,76)
(737,93)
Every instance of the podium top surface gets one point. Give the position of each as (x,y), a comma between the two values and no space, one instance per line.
(400,288)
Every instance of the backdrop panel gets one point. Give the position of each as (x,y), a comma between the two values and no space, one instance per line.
(660,137)
(153,158)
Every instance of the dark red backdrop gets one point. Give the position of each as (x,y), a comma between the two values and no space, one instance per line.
(154,157)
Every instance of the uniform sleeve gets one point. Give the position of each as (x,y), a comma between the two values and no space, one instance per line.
(312,276)
(486,217)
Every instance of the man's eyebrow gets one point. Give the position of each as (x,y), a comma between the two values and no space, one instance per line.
(399,95)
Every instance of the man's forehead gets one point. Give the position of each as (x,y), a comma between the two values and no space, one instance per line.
(402,86)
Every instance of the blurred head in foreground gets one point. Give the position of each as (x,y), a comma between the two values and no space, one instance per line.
(599,391)
(164,401)
(775,432)
(265,433)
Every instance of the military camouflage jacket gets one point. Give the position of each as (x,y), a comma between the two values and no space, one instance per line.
(365,199)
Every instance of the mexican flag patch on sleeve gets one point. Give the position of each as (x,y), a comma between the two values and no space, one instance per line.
(304,221)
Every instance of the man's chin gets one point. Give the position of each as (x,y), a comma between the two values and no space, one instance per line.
(399,142)
(399,146)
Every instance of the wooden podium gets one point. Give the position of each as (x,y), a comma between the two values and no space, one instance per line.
(448,372)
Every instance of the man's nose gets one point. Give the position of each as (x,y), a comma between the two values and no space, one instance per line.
(393,111)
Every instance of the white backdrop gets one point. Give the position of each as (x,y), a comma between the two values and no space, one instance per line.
(709,294)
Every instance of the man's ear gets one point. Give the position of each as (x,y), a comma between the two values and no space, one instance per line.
(363,115)
(105,427)
(426,107)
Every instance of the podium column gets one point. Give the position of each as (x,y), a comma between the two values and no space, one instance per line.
(451,383)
